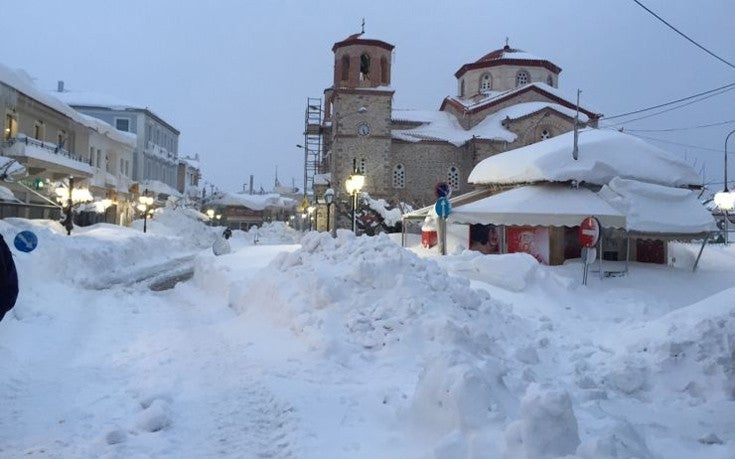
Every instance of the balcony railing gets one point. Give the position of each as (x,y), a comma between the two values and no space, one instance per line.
(56,149)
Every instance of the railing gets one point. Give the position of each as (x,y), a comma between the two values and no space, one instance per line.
(25,140)
(30,211)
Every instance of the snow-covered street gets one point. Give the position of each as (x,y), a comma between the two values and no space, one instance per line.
(306,346)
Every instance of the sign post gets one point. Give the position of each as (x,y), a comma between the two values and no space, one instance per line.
(589,234)
(443,208)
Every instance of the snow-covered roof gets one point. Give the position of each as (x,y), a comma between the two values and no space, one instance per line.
(95,99)
(509,53)
(158,188)
(658,209)
(603,155)
(444,126)
(539,205)
(253,201)
(492,97)
(106,129)
(7,195)
(193,162)
(22,82)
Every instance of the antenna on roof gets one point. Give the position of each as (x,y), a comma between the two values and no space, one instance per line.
(575,150)
(363,26)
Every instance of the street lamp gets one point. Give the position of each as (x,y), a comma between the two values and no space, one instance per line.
(354,184)
(725,200)
(144,206)
(210,214)
(329,199)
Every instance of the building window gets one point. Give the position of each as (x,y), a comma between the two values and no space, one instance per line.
(550,80)
(545,134)
(99,158)
(453,178)
(362,166)
(61,140)
(384,71)
(399,176)
(461,88)
(38,130)
(522,78)
(122,124)
(345,68)
(91,156)
(486,82)
(11,127)
(364,67)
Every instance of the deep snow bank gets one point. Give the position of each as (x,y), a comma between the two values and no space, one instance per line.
(366,301)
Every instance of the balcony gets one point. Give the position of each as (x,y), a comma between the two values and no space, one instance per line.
(44,157)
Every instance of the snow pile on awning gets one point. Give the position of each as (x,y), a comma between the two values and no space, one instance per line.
(158,187)
(10,168)
(658,209)
(253,201)
(539,205)
(603,155)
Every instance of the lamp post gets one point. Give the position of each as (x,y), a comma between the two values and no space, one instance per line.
(144,206)
(725,200)
(328,198)
(354,184)
(210,214)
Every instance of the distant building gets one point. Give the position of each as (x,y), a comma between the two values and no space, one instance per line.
(157,149)
(188,176)
(506,99)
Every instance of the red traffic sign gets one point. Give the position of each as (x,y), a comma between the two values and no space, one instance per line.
(589,232)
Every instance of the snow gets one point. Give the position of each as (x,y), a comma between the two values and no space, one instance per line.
(253,201)
(22,82)
(540,205)
(603,155)
(445,127)
(158,187)
(95,99)
(304,345)
(653,208)
(491,97)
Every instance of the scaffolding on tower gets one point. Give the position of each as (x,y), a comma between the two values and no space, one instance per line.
(312,142)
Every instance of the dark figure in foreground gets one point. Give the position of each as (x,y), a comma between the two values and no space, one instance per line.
(8,279)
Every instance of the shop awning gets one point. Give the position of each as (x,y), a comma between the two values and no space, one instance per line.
(539,205)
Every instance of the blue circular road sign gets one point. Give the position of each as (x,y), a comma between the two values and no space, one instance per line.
(25,241)
(442,207)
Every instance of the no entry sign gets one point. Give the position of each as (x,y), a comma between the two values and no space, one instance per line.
(589,232)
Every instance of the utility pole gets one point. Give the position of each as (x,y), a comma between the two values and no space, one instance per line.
(575,150)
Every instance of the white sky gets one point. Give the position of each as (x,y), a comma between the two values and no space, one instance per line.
(234,76)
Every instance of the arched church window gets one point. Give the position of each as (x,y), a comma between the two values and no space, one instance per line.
(361,166)
(522,78)
(365,67)
(345,68)
(453,178)
(550,80)
(486,82)
(399,176)
(461,88)
(545,134)
(384,70)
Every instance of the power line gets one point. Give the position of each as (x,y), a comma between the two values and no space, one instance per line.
(684,35)
(683,128)
(672,108)
(696,147)
(727,86)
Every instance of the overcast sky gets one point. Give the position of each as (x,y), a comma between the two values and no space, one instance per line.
(234,76)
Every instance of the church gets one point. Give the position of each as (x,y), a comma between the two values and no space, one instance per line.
(506,99)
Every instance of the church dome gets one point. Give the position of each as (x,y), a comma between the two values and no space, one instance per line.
(508,56)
